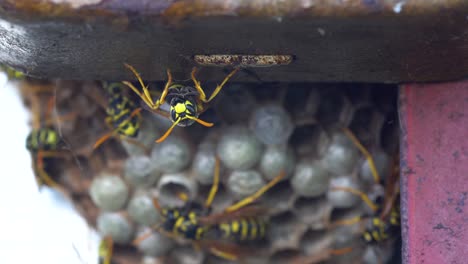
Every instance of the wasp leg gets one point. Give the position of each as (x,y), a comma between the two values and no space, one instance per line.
(47,154)
(166,88)
(349,221)
(145,96)
(218,88)
(168,132)
(214,187)
(136,143)
(365,152)
(102,139)
(105,250)
(250,199)
(362,195)
(198,85)
(223,254)
(113,133)
(45,178)
(43,175)
(156,227)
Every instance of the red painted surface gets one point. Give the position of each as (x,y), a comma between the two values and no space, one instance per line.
(434,162)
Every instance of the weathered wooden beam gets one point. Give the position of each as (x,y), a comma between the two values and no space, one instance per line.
(353,41)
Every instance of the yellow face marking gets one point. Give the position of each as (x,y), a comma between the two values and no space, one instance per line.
(180,108)
(245,229)
(235,227)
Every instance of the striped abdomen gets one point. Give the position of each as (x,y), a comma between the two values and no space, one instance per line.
(243,229)
(42,139)
(119,110)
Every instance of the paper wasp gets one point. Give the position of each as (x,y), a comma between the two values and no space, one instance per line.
(186,102)
(123,117)
(385,220)
(44,141)
(219,233)
(11,73)
(381,225)
(105,250)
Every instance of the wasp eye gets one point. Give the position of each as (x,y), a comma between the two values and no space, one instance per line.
(173,115)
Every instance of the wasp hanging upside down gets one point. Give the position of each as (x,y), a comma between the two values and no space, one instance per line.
(123,117)
(384,223)
(219,232)
(106,247)
(44,141)
(186,102)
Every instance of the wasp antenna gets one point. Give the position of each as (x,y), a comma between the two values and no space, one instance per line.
(156,204)
(102,140)
(201,122)
(362,195)
(168,132)
(364,151)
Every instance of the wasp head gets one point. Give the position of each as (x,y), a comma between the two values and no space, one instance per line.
(185,110)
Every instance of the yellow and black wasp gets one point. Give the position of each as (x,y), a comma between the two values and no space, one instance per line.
(186,102)
(381,225)
(11,73)
(219,233)
(44,141)
(123,117)
(385,220)
(106,247)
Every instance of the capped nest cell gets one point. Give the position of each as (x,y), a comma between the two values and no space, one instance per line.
(260,131)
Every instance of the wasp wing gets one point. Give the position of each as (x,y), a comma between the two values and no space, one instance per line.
(392,189)
(244,212)
(227,249)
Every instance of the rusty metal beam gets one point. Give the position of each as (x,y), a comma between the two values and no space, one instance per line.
(434,162)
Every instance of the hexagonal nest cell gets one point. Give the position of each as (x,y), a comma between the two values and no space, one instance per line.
(317,213)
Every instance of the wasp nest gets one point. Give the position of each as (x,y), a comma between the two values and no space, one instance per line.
(259,132)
